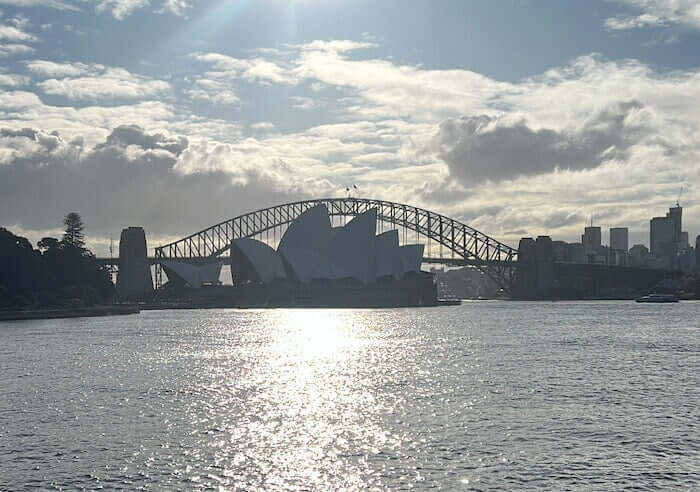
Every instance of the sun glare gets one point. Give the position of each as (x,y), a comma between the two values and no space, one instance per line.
(316,332)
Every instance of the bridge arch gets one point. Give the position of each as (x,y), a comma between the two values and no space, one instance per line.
(466,245)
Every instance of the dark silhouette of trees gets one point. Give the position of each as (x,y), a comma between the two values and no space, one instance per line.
(73,235)
(58,273)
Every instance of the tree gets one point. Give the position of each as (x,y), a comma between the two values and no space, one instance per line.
(48,243)
(73,235)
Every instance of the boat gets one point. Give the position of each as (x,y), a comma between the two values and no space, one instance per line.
(657,298)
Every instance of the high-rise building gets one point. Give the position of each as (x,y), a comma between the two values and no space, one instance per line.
(619,238)
(665,233)
(591,238)
(697,251)
(675,215)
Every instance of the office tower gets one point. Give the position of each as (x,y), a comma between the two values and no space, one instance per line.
(619,238)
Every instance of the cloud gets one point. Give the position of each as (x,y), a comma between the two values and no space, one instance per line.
(176,7)
(250,69)
(95,82)
(586,137)
(50,69)
(303,103)
(13,49)
(54,4)
(14,38)
(129,178)
(213,91)
(12,80)
(121,9)
(656,13)
(390,90)
(263,125)
(15,34)
(483,147)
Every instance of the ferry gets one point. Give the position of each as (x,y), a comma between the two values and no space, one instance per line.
(657,298)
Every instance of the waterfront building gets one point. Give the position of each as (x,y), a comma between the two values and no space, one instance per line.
(619,238)
(666,233)
(575,253)
(559,249)
(660,235)
(638,255)
(591,239)
(685,261)
(311,249)
(666,236)
(195,276)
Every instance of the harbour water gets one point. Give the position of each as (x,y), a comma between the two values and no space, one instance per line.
(484,396)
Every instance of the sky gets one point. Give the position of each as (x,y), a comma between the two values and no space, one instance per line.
(519,118)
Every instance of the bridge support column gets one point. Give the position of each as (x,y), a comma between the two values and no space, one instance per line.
(134,281)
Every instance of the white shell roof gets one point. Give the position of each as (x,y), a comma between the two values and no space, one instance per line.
(312,249)
(266,262)
(304,244)
(352,248)
(411,257)
(195,275)
(387,259)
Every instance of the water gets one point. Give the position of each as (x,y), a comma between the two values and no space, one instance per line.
(485,396)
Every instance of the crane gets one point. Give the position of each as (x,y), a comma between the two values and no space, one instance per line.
(678,200)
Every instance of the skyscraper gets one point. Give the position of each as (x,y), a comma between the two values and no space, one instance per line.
(591,238)
(665,233)
(619,238)
(675,215)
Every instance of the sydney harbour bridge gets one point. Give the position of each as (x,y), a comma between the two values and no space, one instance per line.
(530,272)
(447,241)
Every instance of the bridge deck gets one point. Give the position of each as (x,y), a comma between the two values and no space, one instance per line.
(152,260)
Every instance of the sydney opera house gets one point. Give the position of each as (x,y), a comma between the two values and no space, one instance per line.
(324,265)
(317,264)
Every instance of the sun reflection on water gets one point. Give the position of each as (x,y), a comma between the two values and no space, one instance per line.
(317,403)
(316,333)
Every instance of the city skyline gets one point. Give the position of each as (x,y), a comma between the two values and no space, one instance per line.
(518,119)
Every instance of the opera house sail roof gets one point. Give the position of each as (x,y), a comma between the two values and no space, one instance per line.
(312,249)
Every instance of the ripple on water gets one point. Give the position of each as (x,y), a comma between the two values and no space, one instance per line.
(488,396)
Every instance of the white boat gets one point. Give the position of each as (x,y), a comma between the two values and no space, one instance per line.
(657,298)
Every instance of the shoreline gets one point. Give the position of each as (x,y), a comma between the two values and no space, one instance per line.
(86,312)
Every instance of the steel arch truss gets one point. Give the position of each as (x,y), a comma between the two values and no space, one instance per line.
(466,245)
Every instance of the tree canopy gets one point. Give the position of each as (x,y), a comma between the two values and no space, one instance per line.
(73,235)
(57,274)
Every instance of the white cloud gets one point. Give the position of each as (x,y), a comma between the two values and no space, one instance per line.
(121,9)
(55,4)
(14,38)
(250,69)
(655,13)
(303,103)
(213,91)
(176,7)
(263,125)
(13,49)
(50,69)
(95,82)
(592,136)
(12,80)
(387,89)
(15,34)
